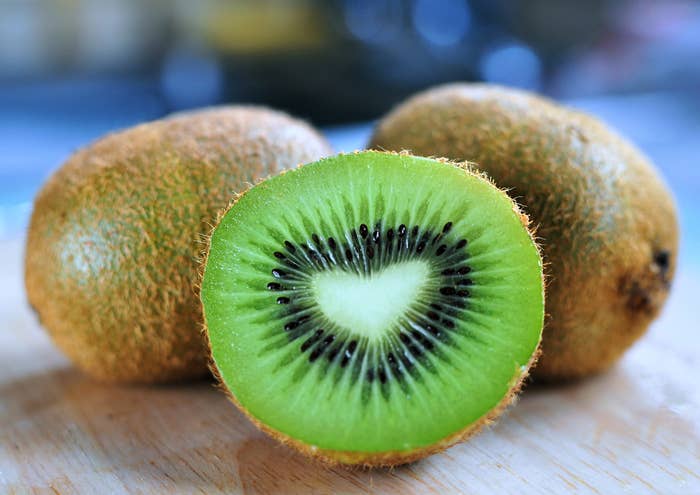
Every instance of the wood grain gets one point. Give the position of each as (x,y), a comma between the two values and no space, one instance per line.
(634,430)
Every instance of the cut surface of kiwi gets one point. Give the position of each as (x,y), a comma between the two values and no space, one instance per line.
(372,308)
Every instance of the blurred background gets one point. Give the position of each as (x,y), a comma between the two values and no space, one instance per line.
(71,70)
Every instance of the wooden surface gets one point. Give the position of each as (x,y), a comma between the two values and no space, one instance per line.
(633,430)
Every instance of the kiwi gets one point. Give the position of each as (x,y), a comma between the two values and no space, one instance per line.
(111,255)
(372,308)
(607,222)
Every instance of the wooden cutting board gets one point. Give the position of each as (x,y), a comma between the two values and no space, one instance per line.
(633,430)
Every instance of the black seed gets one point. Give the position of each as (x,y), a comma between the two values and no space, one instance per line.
(277,273)
(291,325)
(422,339)
(331,243)
(420,247)
(415,350)
(370,252)
(436,306)
(447,227)
(435,239)
(433,315)
(304,318)
(414,232)
(333,353)
(348,353)
(465,281)
(432,330)
(461,244)
(441,249)
(370,375)
(448,323)
(464,270)
(310,341)
(663,260)
(328,340)
(390,234)
(448,271)
(348,254)
(382,375)
(274,286)
(402,230)
(458,303)
(375,236)
(282,300)
(290,247)
(316,353)
(447,291)
(279,255)
(364,230)
(315,238)
(463,293)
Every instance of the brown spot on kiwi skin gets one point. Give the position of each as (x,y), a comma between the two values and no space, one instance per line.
(606,221)
(112,248)
(646,292)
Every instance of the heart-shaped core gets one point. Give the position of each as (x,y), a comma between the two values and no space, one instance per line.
(365,305)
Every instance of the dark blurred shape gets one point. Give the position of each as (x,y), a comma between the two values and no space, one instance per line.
(345,60)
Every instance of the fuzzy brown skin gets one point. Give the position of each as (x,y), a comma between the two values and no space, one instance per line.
(350,459)
(111,257)
(607,221)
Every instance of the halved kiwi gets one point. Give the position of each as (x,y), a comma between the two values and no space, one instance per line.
(372,308)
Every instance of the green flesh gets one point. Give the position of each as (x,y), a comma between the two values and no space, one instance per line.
(362,333)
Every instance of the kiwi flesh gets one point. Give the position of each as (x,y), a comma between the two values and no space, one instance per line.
(607,222)
(115,235)
(372,308)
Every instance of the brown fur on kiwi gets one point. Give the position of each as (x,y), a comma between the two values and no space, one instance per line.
(350,459)
(114,236)
(608,223)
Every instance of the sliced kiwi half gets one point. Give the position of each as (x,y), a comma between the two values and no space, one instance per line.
(372,308)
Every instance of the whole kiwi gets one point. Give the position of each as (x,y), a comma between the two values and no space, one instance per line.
(113,244)
(607,222)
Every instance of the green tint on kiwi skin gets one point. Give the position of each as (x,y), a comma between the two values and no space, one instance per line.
(241,296)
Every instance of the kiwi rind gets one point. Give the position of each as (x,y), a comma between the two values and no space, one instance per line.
(111,265)
(387,458)
(607,221)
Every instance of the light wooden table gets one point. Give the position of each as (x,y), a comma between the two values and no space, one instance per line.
(633,430)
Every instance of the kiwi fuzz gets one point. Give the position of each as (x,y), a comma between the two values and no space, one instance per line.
(312,353)
(115,234)
(606,219)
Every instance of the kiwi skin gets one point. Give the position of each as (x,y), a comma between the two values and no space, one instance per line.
(388,459)
(607,222)
(115,234)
